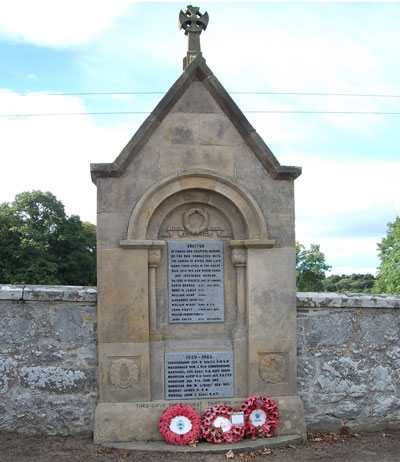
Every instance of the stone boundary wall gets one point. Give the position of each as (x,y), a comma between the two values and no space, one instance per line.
(348,360)
(48,363)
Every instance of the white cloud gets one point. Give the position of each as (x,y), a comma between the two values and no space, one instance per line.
(327,187)
(285,57)
(347,255)
(327,48)
(344,207)
(58,23)
(53,153)
(12,103)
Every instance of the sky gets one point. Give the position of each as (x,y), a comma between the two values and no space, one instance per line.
(57,52)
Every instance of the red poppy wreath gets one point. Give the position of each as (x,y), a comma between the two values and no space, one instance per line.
(180,424)
(217,427)
(260,415)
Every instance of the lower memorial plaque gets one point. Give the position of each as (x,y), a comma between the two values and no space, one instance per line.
(199,375)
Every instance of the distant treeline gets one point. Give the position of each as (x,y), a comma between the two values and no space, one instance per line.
(358,283)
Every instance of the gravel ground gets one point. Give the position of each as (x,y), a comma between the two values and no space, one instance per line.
(365,447)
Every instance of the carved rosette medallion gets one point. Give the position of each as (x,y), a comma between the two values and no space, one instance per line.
(124,373)
(195,220)
(273,368)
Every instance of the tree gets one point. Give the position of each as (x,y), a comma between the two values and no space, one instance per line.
(39,244)
(355,283)
(388,279)
(310,268)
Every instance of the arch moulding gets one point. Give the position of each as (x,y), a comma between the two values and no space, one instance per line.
(251,214)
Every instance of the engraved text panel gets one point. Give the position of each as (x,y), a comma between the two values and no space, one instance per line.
(199,375)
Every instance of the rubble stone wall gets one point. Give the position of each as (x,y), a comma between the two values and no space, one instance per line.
(348,360)
(48,359)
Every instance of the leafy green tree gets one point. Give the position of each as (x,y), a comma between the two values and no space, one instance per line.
(356,283)
(388,279)
(310,268)
(39,244)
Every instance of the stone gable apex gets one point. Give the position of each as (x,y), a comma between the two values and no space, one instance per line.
(196,70)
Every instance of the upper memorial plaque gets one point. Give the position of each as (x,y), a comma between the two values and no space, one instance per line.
(195,282)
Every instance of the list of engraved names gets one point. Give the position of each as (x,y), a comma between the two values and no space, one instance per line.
(195,282)
(199,375)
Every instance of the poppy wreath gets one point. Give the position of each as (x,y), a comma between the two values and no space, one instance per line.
(216,425)
(180,424)
(261,416)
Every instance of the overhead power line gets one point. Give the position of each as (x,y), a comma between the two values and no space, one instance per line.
(148,112)
(121,93)
(373,95)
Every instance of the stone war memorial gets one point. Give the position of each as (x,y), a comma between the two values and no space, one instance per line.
(196,263)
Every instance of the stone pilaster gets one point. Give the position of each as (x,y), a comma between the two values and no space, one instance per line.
(239,259)
(240,341)
(154,257)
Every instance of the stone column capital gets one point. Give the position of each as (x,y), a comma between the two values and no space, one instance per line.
(239,256)
(154,257)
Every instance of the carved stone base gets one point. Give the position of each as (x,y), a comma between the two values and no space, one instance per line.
(118,422)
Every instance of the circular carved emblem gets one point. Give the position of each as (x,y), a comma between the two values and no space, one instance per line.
(124,373)
(273,369)
(195,220)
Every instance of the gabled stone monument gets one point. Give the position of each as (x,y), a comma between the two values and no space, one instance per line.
(196,262)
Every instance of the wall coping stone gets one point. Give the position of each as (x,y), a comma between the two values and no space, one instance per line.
(304,300)
(348,300)
(48,293)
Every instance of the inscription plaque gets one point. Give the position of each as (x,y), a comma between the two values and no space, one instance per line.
(195,282)
(199,375)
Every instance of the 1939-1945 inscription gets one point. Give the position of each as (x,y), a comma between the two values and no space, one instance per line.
(195,282)
(199,375)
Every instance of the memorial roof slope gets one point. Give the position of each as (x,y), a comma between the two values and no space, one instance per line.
(196,70)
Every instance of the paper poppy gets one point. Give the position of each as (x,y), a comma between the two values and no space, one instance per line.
(180,424)
(261,416)
(217,427)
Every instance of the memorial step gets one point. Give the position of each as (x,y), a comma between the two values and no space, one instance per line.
(203,447)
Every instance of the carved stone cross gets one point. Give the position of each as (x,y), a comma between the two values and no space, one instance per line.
(193,23)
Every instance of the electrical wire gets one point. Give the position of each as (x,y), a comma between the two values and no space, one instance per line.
(233,93)
(372,95)
(148,112)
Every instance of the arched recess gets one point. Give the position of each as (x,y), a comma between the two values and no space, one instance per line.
(223,217)
(251,213)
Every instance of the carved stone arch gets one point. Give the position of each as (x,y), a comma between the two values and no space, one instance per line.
(251,214)
(221,218)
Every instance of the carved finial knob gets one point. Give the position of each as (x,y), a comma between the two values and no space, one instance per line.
(193,23)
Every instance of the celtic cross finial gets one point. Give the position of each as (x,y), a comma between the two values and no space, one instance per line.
(193,23)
